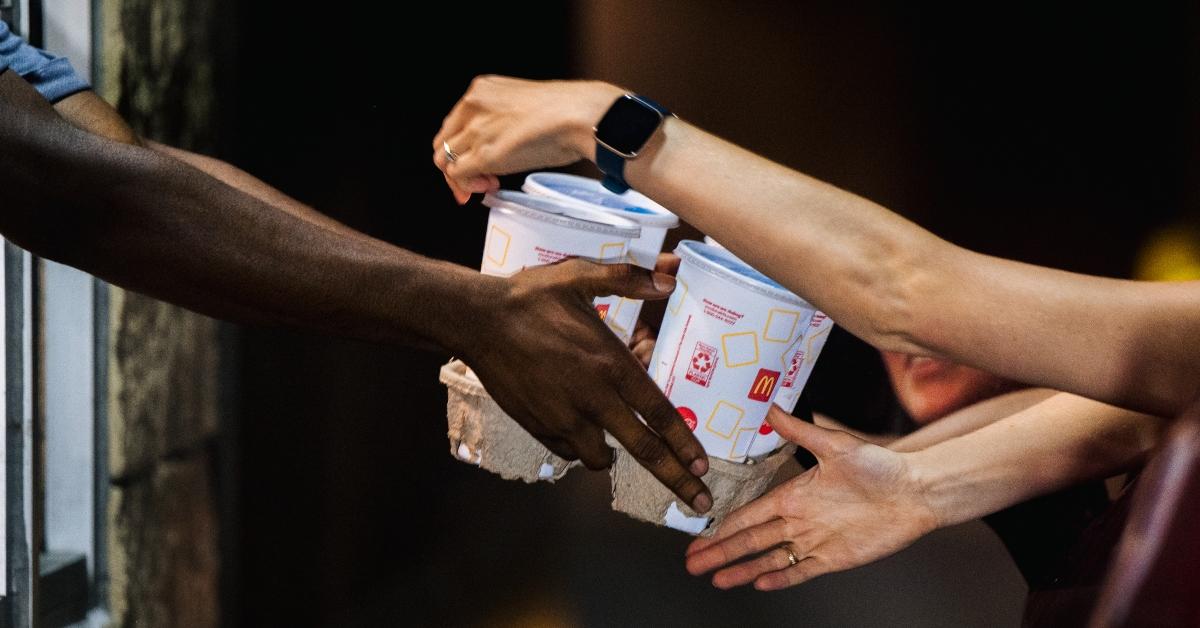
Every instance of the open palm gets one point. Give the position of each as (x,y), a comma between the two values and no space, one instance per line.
(859,504)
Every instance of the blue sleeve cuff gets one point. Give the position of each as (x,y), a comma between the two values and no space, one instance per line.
(52,76)
(56,80)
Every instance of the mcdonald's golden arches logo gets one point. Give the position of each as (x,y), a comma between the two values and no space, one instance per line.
(764,385)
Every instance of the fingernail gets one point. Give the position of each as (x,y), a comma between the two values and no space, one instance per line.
(699,467)
(664,283)
(702,503)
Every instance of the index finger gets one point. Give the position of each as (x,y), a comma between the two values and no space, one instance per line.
(645,397)
(652,452)
(759,511)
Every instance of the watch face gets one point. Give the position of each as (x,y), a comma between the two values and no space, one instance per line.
(627,125)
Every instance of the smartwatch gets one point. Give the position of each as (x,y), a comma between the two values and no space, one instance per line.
(623,131)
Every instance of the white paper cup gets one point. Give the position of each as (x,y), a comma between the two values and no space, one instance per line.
(726,340)
(800,367)
(526,231)
(643,251)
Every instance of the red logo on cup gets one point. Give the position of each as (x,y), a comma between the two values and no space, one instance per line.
(789,378)
(703,364)
(603,309)
(688,417)
(765,428)
(764,385)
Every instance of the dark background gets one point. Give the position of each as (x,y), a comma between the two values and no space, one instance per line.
(1063,136)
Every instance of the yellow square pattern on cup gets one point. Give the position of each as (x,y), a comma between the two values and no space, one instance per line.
(497,246)
(724,419)
(741,349)
(781,325)
(612,251)
(677,297)
(741,444)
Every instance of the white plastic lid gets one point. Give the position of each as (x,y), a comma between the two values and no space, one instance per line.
(632,205)
(557,212)
(723,264)
(717,245)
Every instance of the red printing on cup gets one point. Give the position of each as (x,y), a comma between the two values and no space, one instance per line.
(789,378)
(688,417)
(603,310)
(703,364)
(765,428)
(764,385)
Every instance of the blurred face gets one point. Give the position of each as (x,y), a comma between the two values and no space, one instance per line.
(930,388)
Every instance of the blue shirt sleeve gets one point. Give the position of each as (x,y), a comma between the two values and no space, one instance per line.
(52,76)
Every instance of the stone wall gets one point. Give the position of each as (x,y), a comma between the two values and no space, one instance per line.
(157,62)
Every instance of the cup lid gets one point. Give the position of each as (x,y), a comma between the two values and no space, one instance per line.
(562,213)
(722,263)
(632,205)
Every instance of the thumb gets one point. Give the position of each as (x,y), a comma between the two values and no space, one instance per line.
(627,280)
(821,442)
(667,263)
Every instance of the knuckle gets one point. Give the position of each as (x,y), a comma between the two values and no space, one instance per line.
(596,462)
(610,362)
(485,154)
(621,272)
(777,500)
(737,545)
(579,267)
(648,448)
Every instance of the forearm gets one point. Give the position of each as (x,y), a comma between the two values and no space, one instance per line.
(153,224)
(244,182)
(971,418)
(901,288)
(87,111)
(1059,442)
(849,256)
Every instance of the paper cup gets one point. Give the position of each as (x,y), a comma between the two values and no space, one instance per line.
(643,251)
(800,367)
(727,339)
(526,231)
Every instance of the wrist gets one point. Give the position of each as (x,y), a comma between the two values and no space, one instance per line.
(928,480)
(594,100)
(473,308)
(445,304)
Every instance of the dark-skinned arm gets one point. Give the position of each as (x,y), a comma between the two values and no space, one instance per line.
(147,221)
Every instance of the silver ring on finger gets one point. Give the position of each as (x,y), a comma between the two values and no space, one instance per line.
(791,554)
(451,156)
